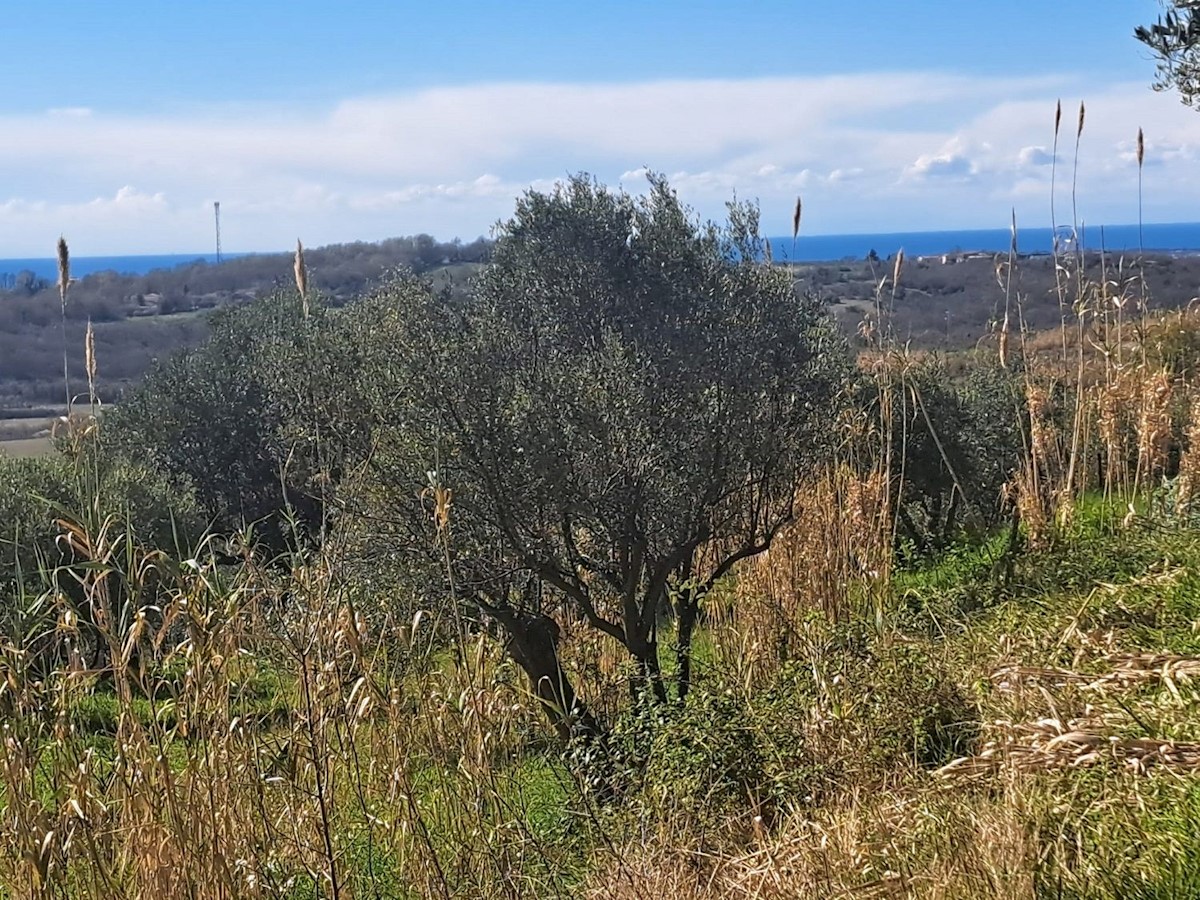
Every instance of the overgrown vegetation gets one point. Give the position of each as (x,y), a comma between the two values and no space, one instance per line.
(800,626)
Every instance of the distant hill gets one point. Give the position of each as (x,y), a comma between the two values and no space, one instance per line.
(138,318)
(951,302)
(948,302)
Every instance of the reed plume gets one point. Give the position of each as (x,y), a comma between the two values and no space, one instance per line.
(796,227)
(64,281)
(89,355)
(1141,161)
(301,277)
(1054,167)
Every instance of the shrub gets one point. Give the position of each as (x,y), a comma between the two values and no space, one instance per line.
(258,419)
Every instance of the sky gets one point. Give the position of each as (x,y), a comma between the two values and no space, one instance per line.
(123,121)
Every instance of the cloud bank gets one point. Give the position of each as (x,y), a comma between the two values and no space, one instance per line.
(872,152)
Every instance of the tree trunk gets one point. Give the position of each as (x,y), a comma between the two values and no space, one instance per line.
(644,650)
(533,643)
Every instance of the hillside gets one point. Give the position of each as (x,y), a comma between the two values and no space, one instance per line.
(951,302)
(139,319)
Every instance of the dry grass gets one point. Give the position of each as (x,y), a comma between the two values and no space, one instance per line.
(936,843)
(364,766)
(202,724)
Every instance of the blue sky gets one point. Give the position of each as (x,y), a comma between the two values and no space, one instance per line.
(360,120)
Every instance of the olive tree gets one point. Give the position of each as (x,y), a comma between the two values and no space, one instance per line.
(621,410)
(260,419)
(1174,41)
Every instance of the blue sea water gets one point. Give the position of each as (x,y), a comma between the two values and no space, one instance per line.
(87,265)
(1183,237)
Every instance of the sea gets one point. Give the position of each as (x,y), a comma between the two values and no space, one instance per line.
(82,266)
(1178,237)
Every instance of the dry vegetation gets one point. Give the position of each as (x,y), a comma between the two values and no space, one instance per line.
(1013,714)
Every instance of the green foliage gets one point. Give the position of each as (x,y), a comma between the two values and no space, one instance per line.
(1118,840)
(853,711)
(958,443)
(860,710)
(622,387)
(1174,41)
(29,488)
(36,492)
(256,419)
(701,760)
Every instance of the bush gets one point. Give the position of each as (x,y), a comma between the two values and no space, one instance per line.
(123,510)
(855,712)
(258,419)
(960,444)
(701,760)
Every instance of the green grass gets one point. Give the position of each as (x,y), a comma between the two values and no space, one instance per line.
(851,730)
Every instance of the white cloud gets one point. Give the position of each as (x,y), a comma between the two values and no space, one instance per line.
(948,164)
(451,160)
(838,176)
(1034,156)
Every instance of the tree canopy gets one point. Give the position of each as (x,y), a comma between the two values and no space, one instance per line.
(1174,40)
(623,408)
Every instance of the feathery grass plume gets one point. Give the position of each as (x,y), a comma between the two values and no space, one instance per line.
(1141,160)
(1143,294)
(1058,279)
(1031,506)
(1081,292)
(301,276)
(89,355)
(796,227)
(1054,168)
(64,282)
(897,268)
(64,268)
(1041,426)
(1075,177)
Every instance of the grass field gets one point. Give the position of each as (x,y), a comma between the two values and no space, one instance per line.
(27,447)
(25,433)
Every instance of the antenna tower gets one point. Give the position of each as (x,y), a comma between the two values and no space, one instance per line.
(217,216)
